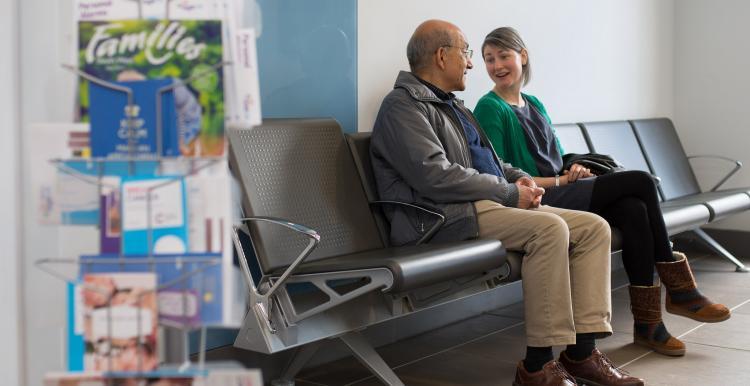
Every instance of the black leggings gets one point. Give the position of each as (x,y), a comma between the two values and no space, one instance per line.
(629,202)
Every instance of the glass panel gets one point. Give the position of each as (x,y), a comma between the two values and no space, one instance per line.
(307,59)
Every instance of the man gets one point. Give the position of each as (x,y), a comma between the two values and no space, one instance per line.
(428,148)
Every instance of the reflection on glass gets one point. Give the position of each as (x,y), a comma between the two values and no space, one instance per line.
(307,59)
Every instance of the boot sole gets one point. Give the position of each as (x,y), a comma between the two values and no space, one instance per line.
(660,350)
(690,315)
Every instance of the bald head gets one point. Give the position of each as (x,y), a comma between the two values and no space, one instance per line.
(427,38)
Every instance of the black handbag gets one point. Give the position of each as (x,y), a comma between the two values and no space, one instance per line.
(598,163)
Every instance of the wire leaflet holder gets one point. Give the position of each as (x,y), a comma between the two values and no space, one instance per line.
(79,272)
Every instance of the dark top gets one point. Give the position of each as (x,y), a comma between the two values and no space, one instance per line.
(542,145)
(482,158)
(540,140)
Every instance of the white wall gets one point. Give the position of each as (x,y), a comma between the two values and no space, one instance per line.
(592,59)
(46,96)
(711,88)
(10,284)
(11,358)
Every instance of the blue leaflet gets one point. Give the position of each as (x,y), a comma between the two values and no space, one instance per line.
(109,113)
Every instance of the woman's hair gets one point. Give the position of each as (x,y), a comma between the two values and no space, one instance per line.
(509,39)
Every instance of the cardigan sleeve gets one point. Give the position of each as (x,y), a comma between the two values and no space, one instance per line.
(490,117)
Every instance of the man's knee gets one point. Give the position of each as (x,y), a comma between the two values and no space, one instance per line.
(554,227)
(599,226)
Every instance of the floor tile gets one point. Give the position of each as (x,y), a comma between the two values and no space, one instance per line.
(620,348)
(454,369)
(732,333)
(349,369)
(484,350)
(702,365)
(743,309)
(508,345)
(514,310)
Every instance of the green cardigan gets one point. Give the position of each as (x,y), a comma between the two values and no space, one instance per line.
(505,132)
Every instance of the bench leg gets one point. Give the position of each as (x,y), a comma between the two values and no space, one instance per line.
(296,362)
(371,359)
(713,244)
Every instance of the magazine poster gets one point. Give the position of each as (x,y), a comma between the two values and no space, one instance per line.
(120,322)
(99,10)
(188,51)
(153,215)
(120,129)
(245,85)
(217,377)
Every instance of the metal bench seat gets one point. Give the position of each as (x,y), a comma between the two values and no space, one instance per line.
(719,204)
(334,275)
(418,266)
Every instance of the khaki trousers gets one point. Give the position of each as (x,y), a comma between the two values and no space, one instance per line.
(566,268)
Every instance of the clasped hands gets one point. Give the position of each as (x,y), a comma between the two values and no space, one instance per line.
(529,195)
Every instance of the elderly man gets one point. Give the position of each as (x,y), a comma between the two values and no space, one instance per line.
(428,148)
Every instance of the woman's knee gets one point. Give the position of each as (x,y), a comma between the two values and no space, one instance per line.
(627,212)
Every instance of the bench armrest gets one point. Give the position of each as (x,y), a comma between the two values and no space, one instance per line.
(421,207)
(309,232)
(737,167)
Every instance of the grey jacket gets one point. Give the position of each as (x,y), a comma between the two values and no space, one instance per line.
(419,154)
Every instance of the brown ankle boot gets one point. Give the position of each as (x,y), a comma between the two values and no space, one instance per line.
(648,328)
(683,297)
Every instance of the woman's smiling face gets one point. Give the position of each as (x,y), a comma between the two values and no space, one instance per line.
(505,66)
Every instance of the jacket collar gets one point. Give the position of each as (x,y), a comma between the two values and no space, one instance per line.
(417,89)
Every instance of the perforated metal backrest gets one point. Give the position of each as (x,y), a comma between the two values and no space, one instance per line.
(359,144)
(571,138)
(617,139)
(667,157)
(301,170)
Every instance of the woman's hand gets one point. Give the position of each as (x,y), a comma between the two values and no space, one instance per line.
(577,171)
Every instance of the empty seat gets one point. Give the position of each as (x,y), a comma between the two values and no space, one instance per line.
(679,186)
(617,139)
(571,138)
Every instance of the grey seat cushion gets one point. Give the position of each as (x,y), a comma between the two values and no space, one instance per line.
(418,266)
(720,204)
(680,218)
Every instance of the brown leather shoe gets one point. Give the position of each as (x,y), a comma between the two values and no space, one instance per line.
(597,370)
(551,374)
(683,297)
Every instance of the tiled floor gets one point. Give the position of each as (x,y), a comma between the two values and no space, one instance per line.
(484,350)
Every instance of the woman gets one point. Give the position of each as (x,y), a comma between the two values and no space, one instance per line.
(520,131)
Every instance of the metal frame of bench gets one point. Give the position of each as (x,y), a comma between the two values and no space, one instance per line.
(339,303)
(681,214)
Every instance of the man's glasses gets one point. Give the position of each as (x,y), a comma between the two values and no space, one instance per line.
(465,51)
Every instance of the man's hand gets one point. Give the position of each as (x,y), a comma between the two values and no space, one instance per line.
(577,171)
(529,195)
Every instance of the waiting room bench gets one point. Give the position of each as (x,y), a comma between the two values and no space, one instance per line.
(335,275)
(652,145)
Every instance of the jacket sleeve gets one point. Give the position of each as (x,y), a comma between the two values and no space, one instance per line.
(405,139)
(513,173)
